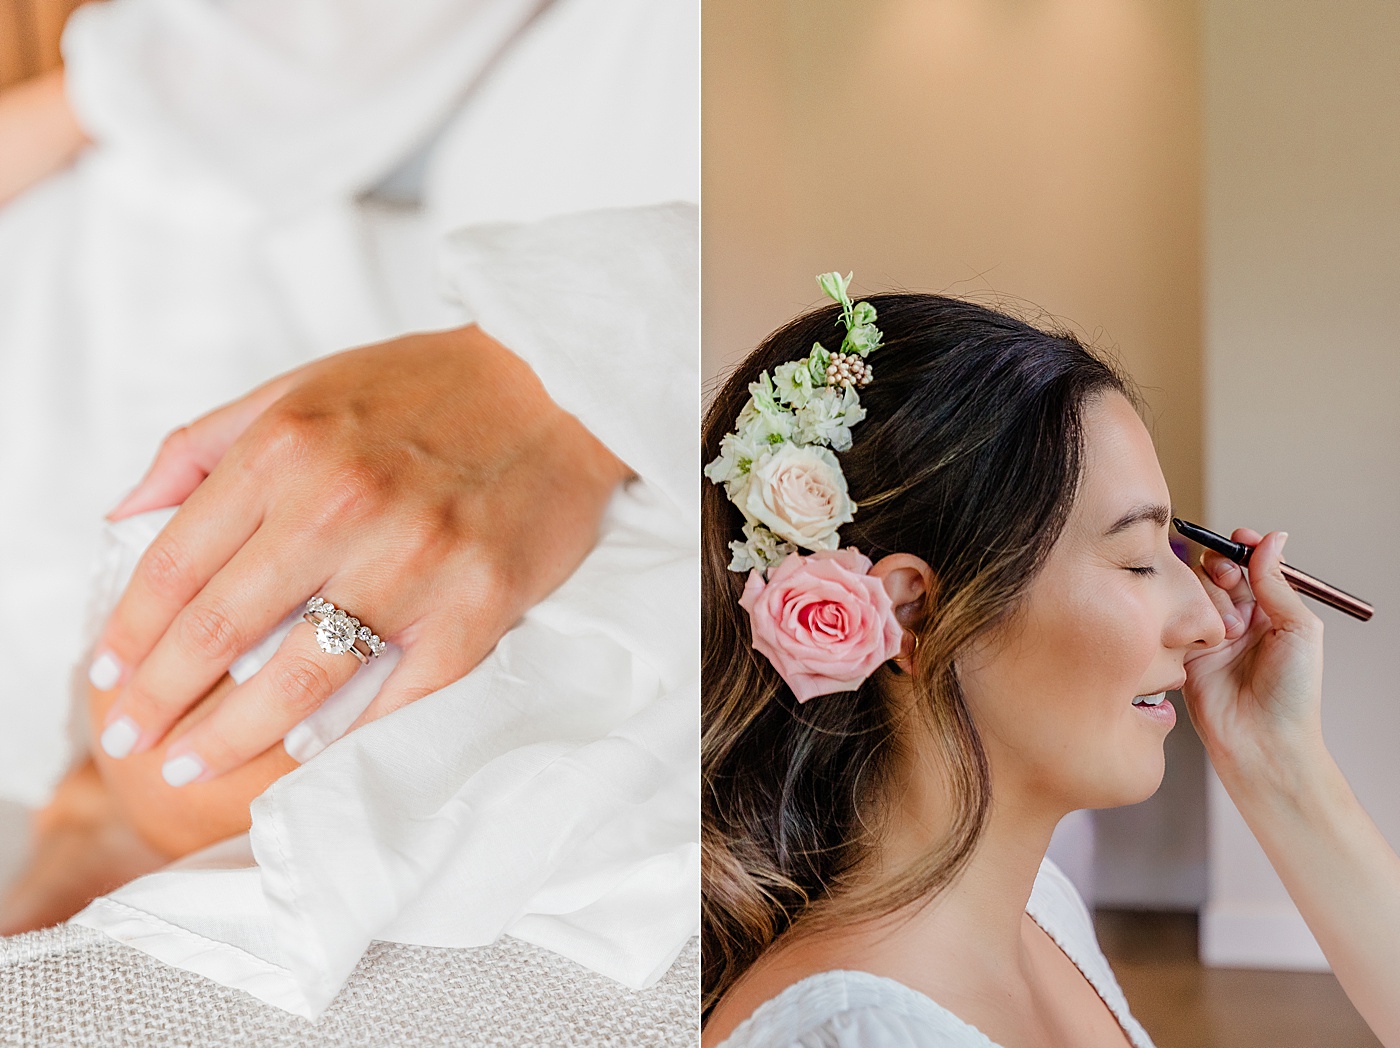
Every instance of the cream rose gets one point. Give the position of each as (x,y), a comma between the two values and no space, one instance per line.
(799,494)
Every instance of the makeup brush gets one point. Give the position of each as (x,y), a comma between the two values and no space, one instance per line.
(1240,553)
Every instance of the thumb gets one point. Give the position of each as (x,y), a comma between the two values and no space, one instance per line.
(1281,602)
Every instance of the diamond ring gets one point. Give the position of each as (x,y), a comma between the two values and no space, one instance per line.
(338,632)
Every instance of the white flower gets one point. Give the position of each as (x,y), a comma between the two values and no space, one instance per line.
(764,429)
(763,400)
(799,494)
(793,381)
(828,416)
(737,453)
(760,549)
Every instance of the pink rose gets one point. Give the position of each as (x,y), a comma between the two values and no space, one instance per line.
(822,620)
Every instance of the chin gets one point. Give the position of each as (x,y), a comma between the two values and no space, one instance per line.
(1142,779)
(1130,778)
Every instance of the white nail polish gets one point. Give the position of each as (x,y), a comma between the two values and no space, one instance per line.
(104,671)
(120,736)
(182,769)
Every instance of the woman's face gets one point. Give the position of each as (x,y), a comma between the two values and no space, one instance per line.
(1052,694)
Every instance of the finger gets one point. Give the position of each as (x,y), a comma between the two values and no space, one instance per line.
(430,664)
(293,684)
(181,464)
(1224,605)
(1231,578)
(1280,601)
(189,454)
(196,542)
(239,606)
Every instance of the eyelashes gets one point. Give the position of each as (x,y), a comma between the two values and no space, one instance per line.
(1143,571)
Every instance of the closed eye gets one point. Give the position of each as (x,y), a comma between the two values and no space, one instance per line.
(1143,571)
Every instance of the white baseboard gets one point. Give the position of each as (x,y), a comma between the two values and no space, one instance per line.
(1239,937)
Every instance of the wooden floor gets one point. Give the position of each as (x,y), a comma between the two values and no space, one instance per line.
(1183,1004)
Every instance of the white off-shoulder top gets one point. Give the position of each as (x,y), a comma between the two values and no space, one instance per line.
(848,1009)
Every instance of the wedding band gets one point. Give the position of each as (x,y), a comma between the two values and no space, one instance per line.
(338,632)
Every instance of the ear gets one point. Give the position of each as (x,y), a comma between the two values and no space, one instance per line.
(909,581)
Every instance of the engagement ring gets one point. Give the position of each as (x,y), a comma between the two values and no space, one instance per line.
(338,632)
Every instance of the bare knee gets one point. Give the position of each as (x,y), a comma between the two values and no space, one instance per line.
(179,820)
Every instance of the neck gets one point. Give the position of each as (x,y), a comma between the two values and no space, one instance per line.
(985,904)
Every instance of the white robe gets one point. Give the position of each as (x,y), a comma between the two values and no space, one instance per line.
(215,237)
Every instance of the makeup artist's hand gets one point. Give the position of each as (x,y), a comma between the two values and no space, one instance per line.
(429,485)
(1256,701)
(1257,696)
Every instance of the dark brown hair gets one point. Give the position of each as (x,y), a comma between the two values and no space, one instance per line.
(969,457)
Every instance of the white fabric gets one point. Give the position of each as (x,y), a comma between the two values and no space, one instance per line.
(552,792)
(209,241)
(291,104)
(850,1009)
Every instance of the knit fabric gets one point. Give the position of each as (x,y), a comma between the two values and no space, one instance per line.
(70,985)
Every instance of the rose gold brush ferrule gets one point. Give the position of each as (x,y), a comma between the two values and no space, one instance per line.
(1319,590)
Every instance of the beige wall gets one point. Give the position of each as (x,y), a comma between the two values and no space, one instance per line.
(1045,150)
(1303,380)
(1042,150)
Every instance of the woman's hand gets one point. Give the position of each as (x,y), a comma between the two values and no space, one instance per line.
(429,485)
(1256,698)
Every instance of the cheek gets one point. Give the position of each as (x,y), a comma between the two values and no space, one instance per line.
(1102,643)
(1062,689)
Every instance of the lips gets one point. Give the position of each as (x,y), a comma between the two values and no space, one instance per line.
(1159,694)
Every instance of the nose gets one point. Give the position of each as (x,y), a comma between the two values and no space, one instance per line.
(1196,623)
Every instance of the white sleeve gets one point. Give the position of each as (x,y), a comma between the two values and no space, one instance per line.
(604,305)
(597,105)
(874,1027)
(290,100)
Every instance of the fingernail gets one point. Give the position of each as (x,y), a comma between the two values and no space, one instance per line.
(104,672)
(182,769)
(120,736)
(1230,622)
(111,515)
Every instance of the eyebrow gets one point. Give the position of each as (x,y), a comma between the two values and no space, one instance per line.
(1155,512)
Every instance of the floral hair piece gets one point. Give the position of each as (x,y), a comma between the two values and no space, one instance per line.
(820,618)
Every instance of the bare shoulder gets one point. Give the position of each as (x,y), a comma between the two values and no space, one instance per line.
(769,976)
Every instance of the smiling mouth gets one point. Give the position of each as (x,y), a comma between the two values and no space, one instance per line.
(1151,700)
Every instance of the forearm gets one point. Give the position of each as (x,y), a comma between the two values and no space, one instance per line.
(38,133)
(1339,870)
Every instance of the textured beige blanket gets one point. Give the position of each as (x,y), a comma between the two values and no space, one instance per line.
(70,986)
